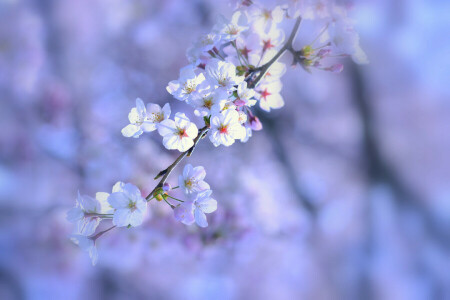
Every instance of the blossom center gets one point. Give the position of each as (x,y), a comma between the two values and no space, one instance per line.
(156,117)
(189,87)
(245,52)
(265,94)
(132,205)
(182,133)
(268,45)
(232,30)
(208,102)
(223,129)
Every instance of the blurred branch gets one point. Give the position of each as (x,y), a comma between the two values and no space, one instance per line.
(166,172)
(271,128)
(380,170)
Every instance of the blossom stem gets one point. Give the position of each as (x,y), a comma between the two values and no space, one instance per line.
(102,233)
(166,172)
(172,206)
(286,47)
(175,198)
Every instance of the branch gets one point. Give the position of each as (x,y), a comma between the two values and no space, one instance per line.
(166,172)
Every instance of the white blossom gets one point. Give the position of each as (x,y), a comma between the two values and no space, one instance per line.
(263,19)
(138,121)
(156,114)
(269,95)
(178,134)
(225,128)
(186,85)
(191,181)
(208,101)
(222,74)
(85,214)
(129,205)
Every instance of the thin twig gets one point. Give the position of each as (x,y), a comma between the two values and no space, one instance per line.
(166,172)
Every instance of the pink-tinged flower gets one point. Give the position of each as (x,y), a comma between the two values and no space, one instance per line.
(86,244)
(222,74)
(187,85)
(249,48)
(139,121)
(85,214)
(129,205)
(269,95)
(225,128)
(191,181)
(196,210)
(272,40)
(178,134)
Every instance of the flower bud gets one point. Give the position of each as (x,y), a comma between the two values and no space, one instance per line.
(255,123)
(166,187)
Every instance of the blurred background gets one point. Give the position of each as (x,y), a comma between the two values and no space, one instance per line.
(345,194)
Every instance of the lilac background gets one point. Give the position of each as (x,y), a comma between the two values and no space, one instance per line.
(345,194)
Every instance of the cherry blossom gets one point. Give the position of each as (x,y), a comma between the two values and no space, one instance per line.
(178,134)
(263,19)
(225,128)
(86,213)
(222,74)
(139,122)
(129,205)
(208,101)
(269,96)
(186,85)
(191,181)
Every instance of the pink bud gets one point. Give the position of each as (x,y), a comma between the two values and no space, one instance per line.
(239,102)
(255,123)
(166,187)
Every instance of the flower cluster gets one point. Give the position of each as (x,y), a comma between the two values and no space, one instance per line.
(231,69)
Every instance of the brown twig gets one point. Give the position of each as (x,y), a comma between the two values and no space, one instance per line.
(166,172)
